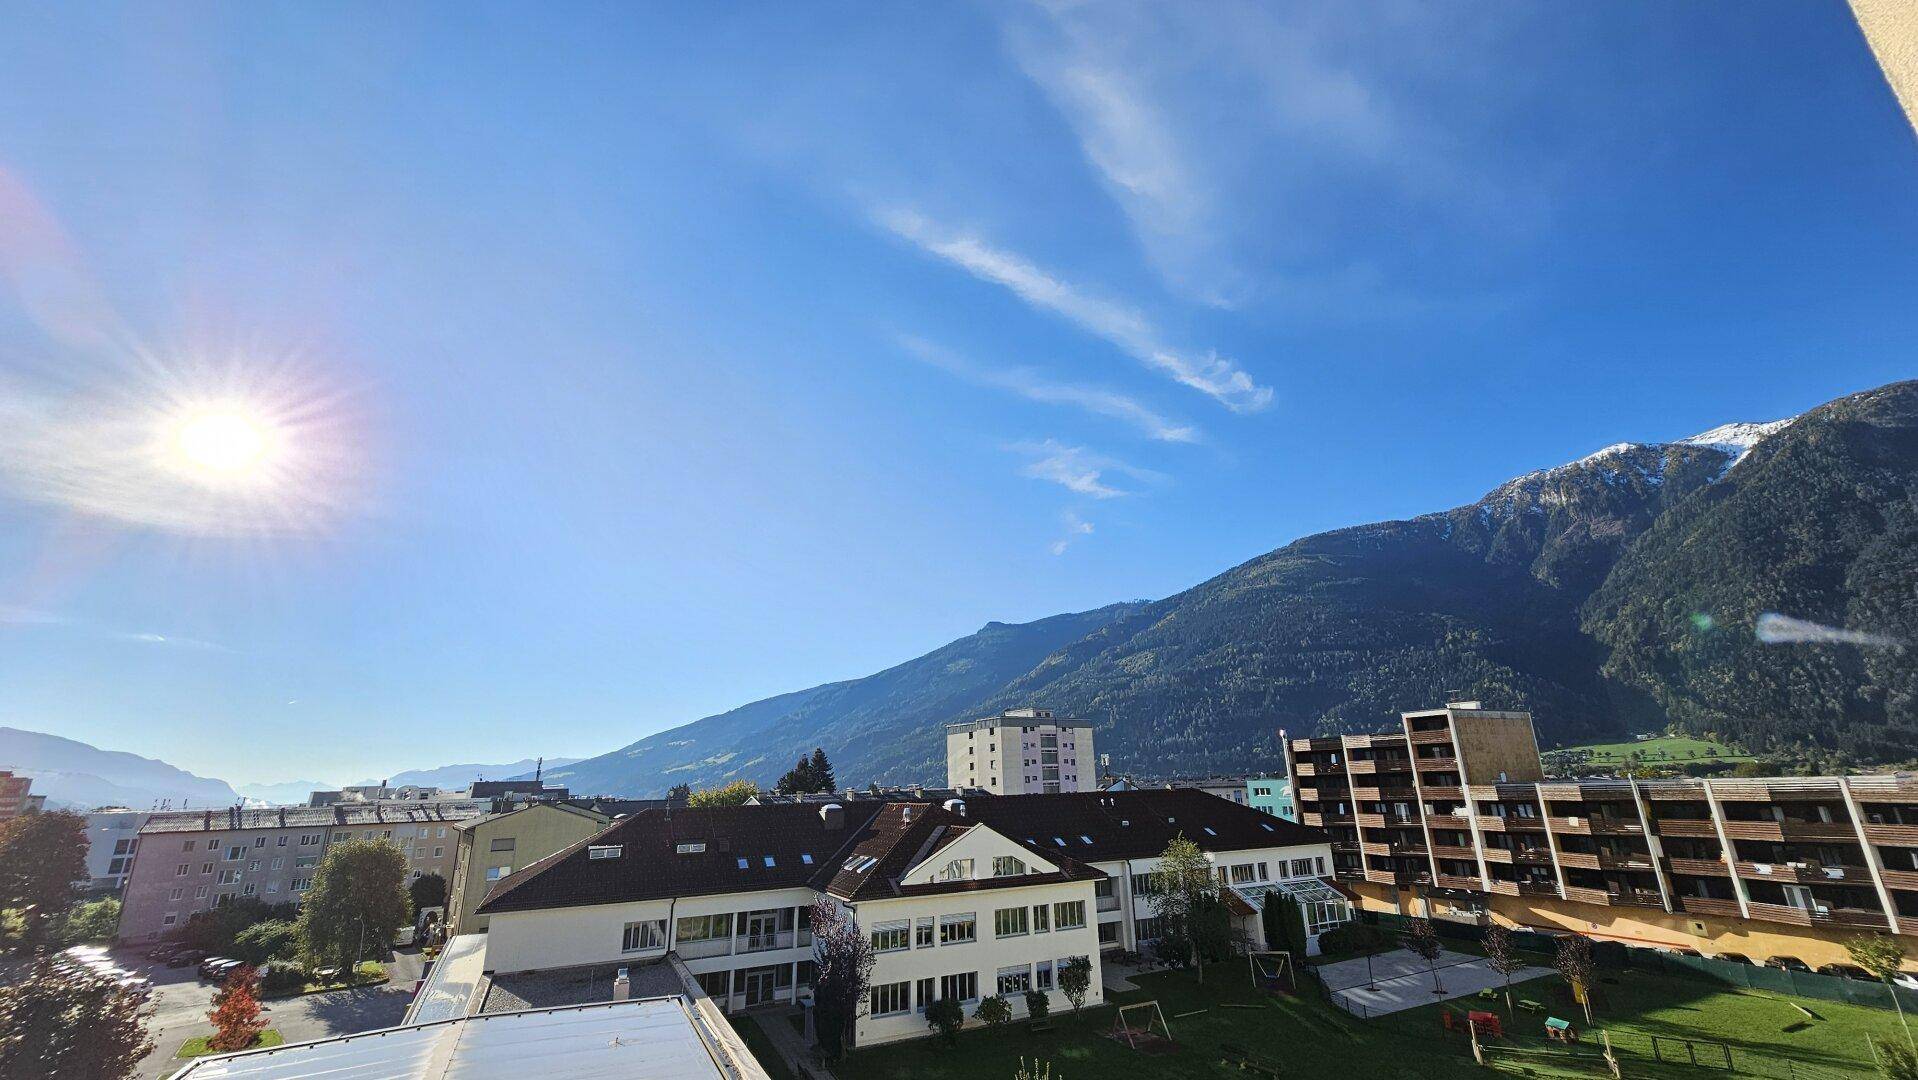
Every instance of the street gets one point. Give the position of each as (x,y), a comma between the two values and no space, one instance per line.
(181,1002)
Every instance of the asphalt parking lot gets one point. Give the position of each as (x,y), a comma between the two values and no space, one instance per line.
(181,1002)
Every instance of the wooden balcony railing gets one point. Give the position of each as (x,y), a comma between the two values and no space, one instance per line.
(1583,895)
(1503,888)
(1708,905)
(1453,851)
(1779,831)
(1804,873)
(1444,792)
(1698,867)
(1456,881)
(1701,827)
(1900,879)
(1447,821)
(1578,860)
(1900,835)
(1497,854)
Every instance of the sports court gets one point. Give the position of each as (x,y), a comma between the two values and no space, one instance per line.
(1401,980)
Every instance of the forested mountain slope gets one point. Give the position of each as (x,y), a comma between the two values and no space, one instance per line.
(1570,591)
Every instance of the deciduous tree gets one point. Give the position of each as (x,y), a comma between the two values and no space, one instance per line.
(1075,978)
(96,920)
(1574,963)
(1423,940)
(842,955)
(427,890)
(236,1011)
(357,903)
(1884,957)
(58,1022)
(1503,957)
(42,856)
(1180,903)
(733,794)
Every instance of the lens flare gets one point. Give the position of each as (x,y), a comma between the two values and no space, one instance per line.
(224,444)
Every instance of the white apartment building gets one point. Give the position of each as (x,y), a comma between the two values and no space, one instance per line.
(964,900)
(1021,752)
(113,835)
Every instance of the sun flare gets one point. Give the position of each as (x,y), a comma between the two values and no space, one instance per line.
(228,443)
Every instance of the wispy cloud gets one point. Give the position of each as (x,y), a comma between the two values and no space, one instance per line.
(1208,372)
(1075,528)
(1233,136)
(1078,469)
(22,616)
(1034,386)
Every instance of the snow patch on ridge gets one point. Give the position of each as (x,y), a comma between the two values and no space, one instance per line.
(1737,440)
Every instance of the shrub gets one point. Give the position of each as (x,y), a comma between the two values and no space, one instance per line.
(282,976)
(93,921)
(1351,937)
(1038,1004)
(275,939)
(993,1010)
(945,1017)
(1075,978)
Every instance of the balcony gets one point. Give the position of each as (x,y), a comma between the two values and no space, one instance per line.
(1371,848)
(1307,817)
(1108,903)
(1700,827)
(1625,860)
(1780,831)
(1453,851)
(1444,792)
(693,950)
(1804,873)
(1361,766)
(1455,881)
(1305,768)
(1394,765)
(766,942)
(1348,873)
(1338,819)
(1447,821)
(1541,855)
(1346,847)
(1439,761)
(1427,738)
(1582,895)
(1537,888)
(1578,860)
(1502,887)
(1366,793)
(1900,879)
(1708,905)
(1907,925)
(1784,913)
(1408,847)
(1898,835)
(1497,854)
(1639,898)
(1614,826)
(1698,867)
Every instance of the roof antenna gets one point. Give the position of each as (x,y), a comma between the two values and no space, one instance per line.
(539,770)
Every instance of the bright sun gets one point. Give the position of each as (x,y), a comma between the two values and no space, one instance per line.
(223,444)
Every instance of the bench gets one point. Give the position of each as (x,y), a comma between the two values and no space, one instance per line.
(1530,1006)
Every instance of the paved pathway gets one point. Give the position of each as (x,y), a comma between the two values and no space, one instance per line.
(1401,980)
(777,1024)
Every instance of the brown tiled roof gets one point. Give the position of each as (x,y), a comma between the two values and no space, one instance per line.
(794,839)
(861,860)
(1101,826)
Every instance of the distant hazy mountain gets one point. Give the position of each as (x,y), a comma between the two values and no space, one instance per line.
(1620,592)
(290,793)
(74,775)
(458,776)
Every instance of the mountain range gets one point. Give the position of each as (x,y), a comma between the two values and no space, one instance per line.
(76,775)
(1637,588)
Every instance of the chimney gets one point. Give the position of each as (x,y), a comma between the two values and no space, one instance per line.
(833,815)
(956,806)
(622,986)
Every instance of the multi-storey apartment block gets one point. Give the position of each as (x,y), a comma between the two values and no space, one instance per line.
(16,796)
(113,836)
(961,900)
(1451,817)
(190,860)
(492,847)
(1020,752)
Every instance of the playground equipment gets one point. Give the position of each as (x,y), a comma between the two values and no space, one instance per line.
(1269,968)
(1134,1026)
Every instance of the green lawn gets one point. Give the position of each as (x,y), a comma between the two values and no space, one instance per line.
(1663,750)
(1306,1038)
(761,1045)
(196,1046)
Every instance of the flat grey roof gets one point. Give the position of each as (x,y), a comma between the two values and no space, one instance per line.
(647,1039)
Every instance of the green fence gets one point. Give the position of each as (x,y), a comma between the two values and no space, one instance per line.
(1871,994)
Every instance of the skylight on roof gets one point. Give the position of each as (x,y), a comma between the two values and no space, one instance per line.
(742,862)
(1267,827)
(769,860)
(850,862)
(1209,832)
(1059,840)
(1085,838)
(806,857)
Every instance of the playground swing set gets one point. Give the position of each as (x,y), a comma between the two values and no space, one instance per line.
(1141,1026)
(1272,971)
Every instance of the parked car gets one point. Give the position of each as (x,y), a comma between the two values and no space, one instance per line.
(186,958)
(214,968)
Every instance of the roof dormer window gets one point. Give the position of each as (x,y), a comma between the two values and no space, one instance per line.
(605,851)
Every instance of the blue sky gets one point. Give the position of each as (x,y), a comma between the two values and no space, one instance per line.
(643,362)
